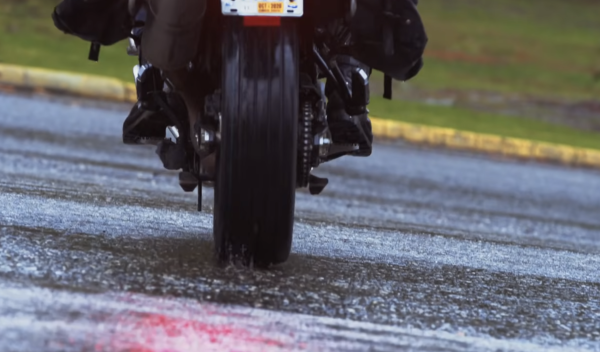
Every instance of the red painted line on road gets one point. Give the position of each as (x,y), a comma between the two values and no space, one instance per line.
(160,333)
(199,329)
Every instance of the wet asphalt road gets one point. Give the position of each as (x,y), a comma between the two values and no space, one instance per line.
(410,249)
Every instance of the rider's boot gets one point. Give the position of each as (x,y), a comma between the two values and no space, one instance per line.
(346,129)
(146,122)
(144,126)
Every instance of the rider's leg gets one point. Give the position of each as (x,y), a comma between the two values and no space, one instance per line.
(357,129)
(169,42)
(107,22)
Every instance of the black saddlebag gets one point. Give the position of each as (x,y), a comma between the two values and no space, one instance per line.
(105,22)
(389,36)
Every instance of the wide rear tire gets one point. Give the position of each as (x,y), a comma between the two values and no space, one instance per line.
(256,160)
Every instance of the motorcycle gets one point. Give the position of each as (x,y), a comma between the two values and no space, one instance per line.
(264,123)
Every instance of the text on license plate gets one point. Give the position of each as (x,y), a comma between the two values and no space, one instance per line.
(270,7)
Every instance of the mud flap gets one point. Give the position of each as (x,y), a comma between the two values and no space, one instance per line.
(389,36)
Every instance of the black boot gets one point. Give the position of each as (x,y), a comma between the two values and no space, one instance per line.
(147,121)
(346,129)
(144,126)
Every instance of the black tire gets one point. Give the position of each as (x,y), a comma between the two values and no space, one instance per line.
(256,160)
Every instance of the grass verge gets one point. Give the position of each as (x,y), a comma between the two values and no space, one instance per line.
(28,37)
(547,48)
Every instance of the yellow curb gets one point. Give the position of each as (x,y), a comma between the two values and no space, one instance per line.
(90,86)
(99,87)
(513,147)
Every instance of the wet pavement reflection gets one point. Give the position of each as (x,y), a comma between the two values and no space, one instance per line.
(410,249)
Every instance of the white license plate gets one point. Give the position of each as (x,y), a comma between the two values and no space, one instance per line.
(283,8)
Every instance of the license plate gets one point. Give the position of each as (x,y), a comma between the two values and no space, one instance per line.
(281,8)
(270,7)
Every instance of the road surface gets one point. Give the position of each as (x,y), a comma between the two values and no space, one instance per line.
(410,249)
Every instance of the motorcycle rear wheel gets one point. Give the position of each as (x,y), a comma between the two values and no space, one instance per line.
(256,159)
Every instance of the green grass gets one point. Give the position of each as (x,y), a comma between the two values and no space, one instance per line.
(547,48)
(28,37)
(540,48)
(468,120)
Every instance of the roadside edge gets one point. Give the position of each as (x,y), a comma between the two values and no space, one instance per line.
(40,80)
(486,143)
